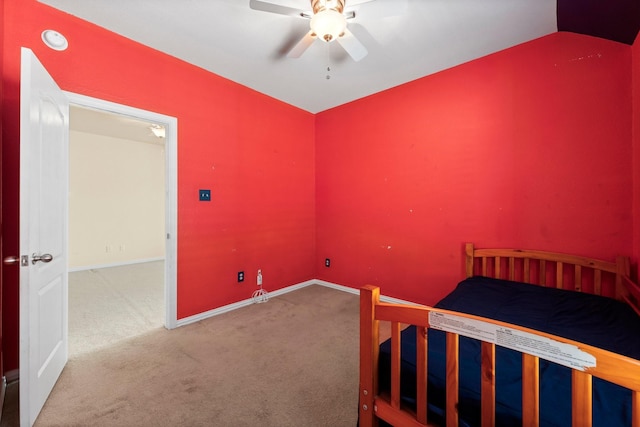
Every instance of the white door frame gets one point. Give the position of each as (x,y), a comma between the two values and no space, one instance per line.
(171,191)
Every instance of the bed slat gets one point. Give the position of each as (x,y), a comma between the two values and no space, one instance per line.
(559,275)
(597,282)
(582,394)
(577,284)
(395,364)
(453,362)
(421,373)
(526,271)
(530,390)
(488,387)
(635,409)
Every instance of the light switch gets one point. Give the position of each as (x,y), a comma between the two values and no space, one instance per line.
(205,195)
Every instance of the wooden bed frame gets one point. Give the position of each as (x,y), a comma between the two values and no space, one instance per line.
(543,268)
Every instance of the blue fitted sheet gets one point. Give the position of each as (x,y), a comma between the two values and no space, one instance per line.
(594,320)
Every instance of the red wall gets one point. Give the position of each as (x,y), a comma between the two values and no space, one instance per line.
(256,155)
(529,147)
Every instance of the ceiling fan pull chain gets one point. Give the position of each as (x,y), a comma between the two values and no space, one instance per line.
(328,61)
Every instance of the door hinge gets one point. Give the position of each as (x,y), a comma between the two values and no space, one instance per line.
(24,261)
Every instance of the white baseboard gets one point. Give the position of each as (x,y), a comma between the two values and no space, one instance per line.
(115,264)
(337,287)
(239,304)
(12,375)
(282,291)
(383,298)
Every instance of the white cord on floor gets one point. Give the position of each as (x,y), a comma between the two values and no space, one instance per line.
(260,296)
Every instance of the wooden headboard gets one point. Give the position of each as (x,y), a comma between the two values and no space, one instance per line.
(558,270)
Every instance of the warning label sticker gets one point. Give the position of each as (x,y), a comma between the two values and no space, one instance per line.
(545,348)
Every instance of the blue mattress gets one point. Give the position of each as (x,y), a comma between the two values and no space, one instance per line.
(594,320)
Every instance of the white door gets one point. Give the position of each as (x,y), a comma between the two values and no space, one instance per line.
(44,142)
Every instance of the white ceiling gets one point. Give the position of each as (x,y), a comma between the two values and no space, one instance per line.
(249,47)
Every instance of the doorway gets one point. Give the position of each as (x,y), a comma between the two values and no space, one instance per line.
(119,258)
(116,228)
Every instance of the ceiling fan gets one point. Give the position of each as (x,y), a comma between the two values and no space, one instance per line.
(328,23)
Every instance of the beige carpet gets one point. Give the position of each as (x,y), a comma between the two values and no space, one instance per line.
(109,305)
(292,361)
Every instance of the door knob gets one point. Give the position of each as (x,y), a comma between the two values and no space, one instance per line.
(11,260)
(22,260)
(44,258)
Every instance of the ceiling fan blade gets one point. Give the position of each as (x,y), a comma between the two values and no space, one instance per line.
(264,6)
(382,9)
(302,45)
(352,45)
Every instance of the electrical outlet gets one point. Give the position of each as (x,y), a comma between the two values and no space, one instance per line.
(240,276)
(205,195)
(327,262)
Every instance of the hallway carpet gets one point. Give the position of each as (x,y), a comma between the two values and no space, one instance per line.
(108,305)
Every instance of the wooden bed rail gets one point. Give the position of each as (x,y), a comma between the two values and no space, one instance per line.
(609,366)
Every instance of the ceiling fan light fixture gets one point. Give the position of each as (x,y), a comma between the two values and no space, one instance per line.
(328,24)
(158,130)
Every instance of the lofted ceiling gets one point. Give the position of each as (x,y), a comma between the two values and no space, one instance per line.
(405,39)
